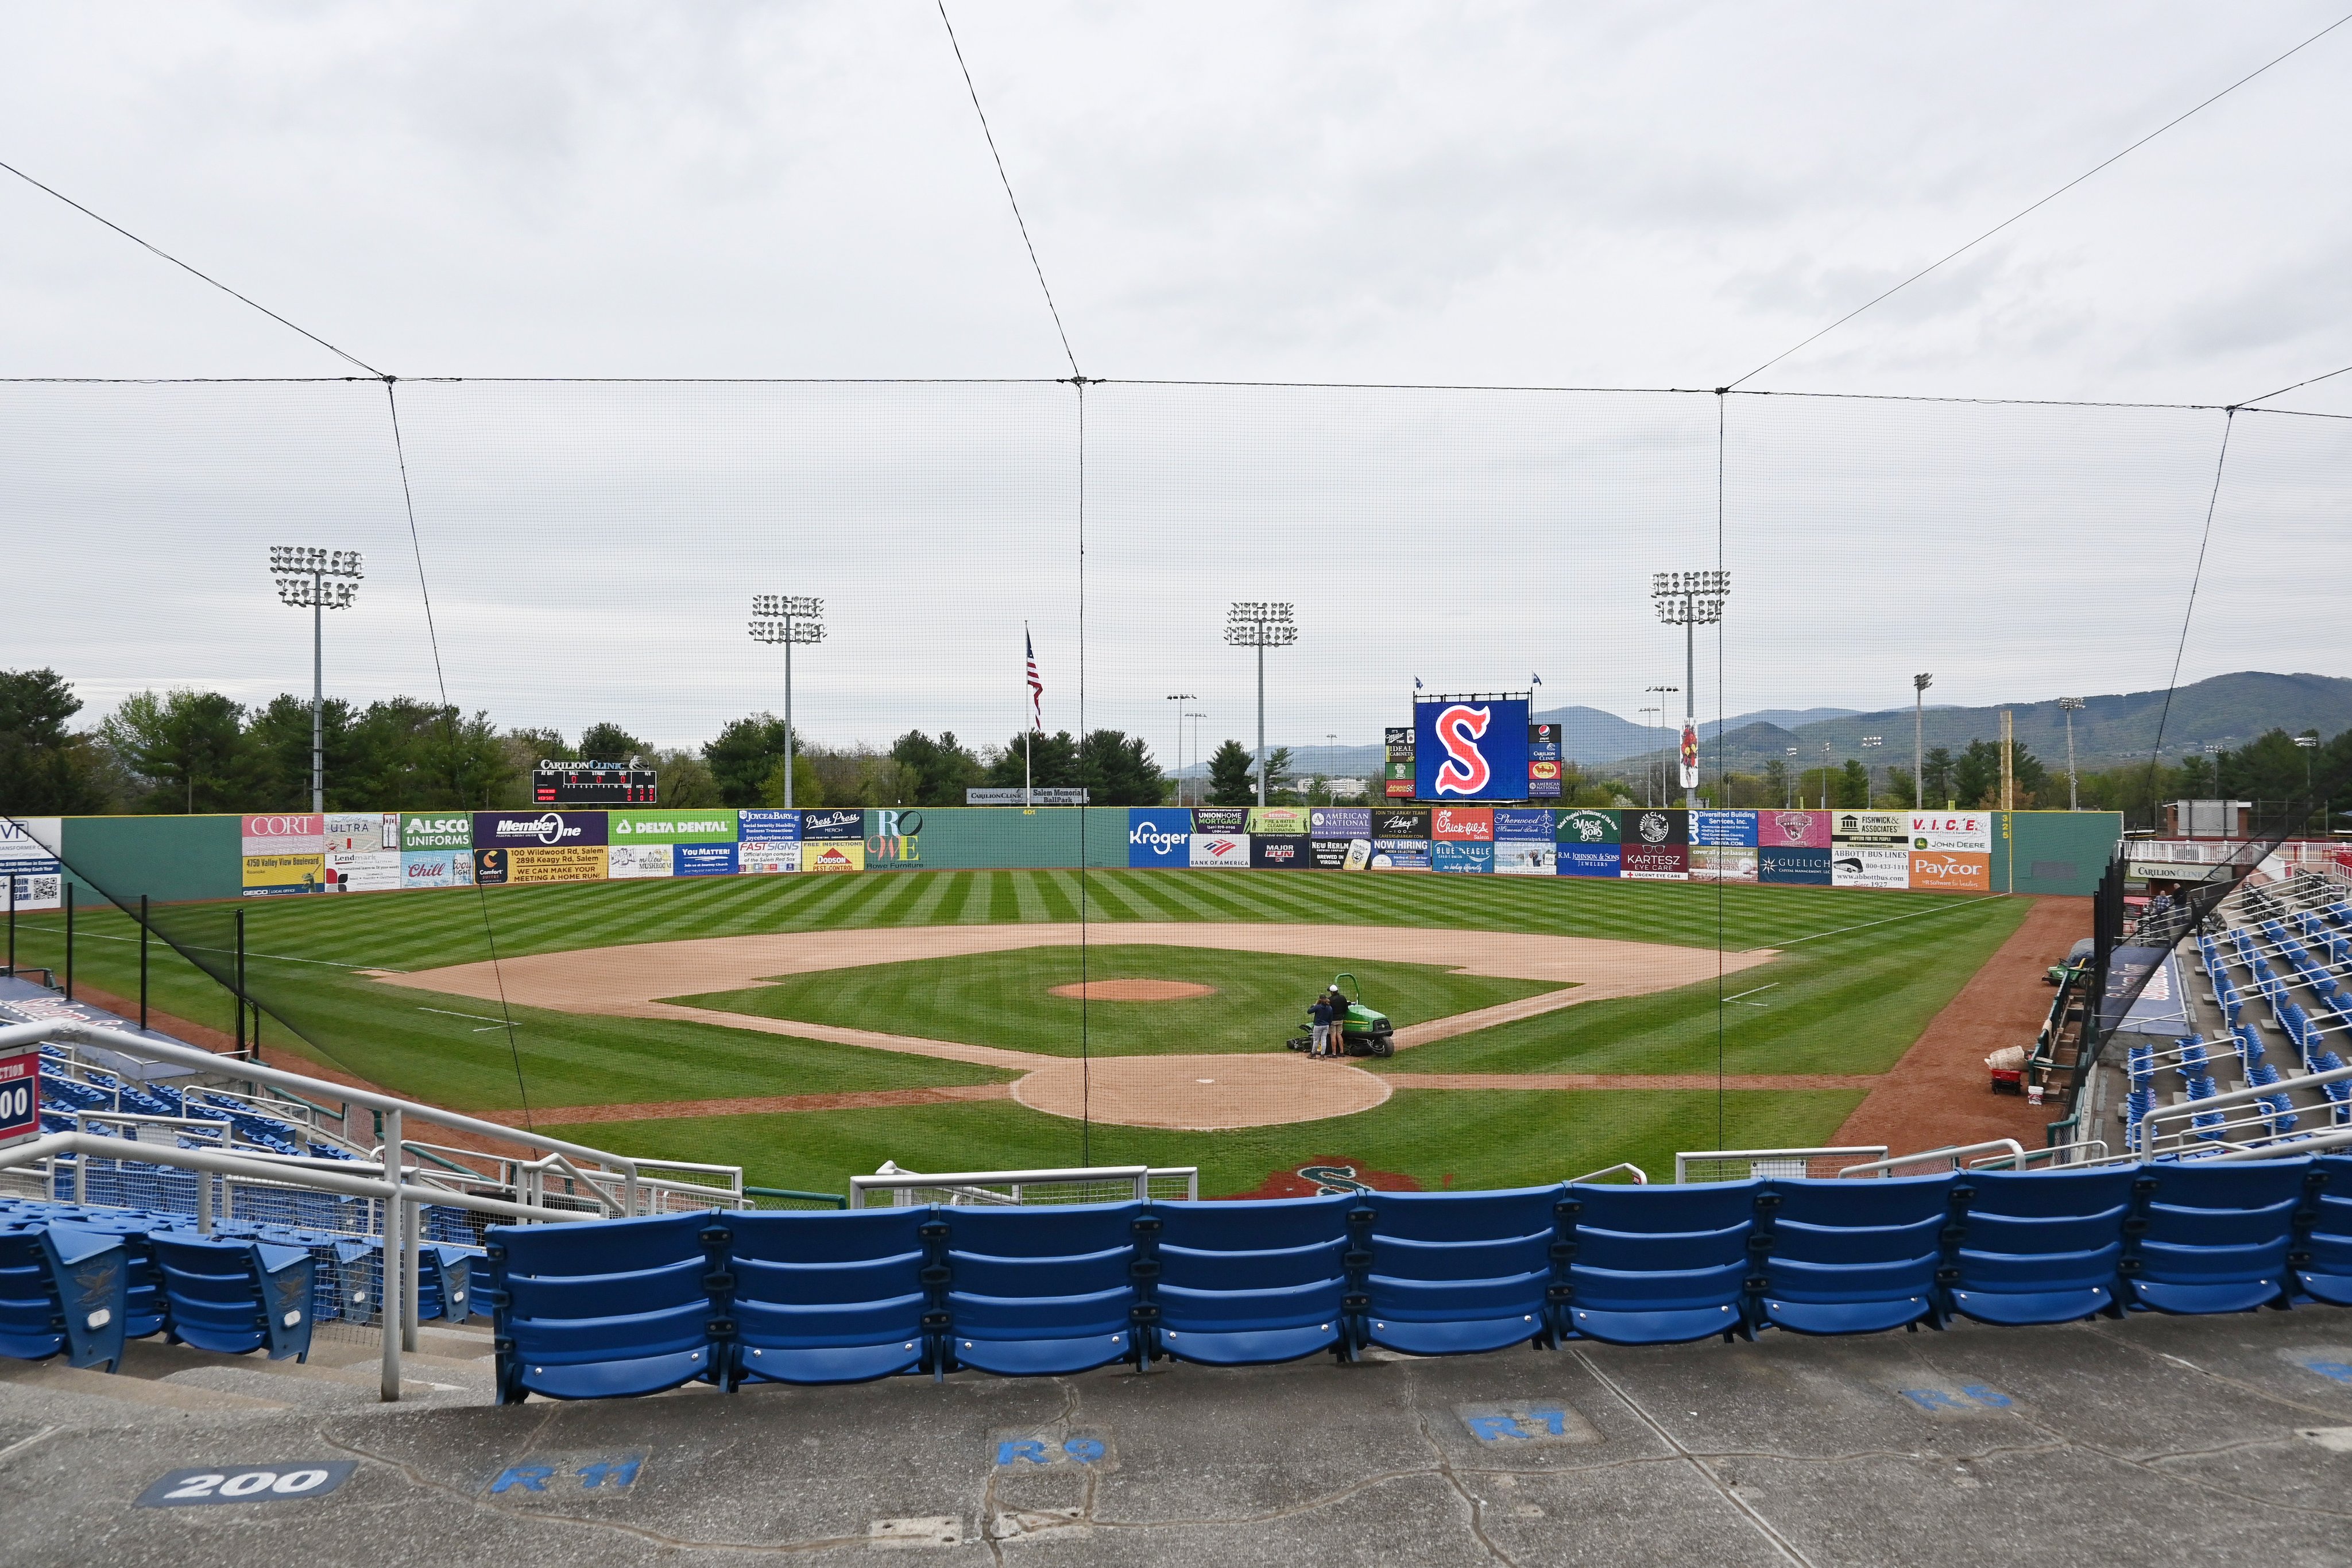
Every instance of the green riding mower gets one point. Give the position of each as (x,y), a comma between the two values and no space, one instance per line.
(1362,1031)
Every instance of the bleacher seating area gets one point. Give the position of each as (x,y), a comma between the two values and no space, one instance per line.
(82,1279)
(636,1306)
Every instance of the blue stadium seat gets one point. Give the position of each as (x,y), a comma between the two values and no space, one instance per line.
(830,1297)
(144,1309)
(233,1297)
(61,1290)
(2215,1237)
(1852,1256)
(2322,1257)
(2041,1247)
(592,1311)
(1045,1291)
(1659,1265)
(1242,1283)
(1453,1273)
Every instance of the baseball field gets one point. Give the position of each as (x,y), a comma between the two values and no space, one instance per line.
(810,1028)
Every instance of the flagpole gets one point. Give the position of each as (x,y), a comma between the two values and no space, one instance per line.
(1028,790)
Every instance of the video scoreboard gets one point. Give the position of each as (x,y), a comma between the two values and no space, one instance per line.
(592,784)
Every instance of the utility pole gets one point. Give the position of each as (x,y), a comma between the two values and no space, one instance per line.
(1179,700)
(1661,711)
(303,574)
(2073,801)
(1690,600)
(1260,624)
(787,618)
(2008,741)
(1919,684)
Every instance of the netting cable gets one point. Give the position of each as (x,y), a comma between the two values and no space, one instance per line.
(1085,1060)
(2189,611)
(449,734)
(1721,910)
(1006,180)
(2313,381)
(191,271)
(2046,199)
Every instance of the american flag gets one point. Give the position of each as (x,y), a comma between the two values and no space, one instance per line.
(1036,686)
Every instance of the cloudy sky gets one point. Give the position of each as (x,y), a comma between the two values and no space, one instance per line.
(1497,196)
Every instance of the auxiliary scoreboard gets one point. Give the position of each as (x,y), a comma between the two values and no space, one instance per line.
(594,784)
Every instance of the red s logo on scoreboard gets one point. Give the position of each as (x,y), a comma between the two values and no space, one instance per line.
(1466,770)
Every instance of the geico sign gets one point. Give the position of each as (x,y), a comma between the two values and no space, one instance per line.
(282,826)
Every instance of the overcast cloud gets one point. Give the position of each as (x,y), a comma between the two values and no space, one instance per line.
(1653,196)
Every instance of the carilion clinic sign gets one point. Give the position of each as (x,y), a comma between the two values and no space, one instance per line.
(1470,749)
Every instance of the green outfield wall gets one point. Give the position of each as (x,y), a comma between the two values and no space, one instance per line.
(182,859)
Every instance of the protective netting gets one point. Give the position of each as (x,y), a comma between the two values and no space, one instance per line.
(1533,983)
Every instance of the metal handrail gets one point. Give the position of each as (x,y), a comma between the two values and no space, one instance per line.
(1953,1152)
(973,1184)
(2146,1133)
(163,1050)
(1641,1176)
(1682,1160)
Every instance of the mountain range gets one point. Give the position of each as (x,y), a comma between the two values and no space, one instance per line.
(2109,729)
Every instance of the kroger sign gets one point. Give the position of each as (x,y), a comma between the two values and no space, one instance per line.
(1158,837)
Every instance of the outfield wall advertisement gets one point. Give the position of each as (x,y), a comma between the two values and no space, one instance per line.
(274,855)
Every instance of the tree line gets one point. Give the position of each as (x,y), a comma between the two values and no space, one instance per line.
(188,750)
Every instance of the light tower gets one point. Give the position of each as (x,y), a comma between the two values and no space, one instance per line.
(317,580)
(1260,624)
(1870,743)
(2070,705)
(788,618)
(1690,600)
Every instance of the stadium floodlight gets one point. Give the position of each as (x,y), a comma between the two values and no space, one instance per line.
(2069,704)
(1690,600)
(788,618)
(1869,742)
(317,580)
(1825,774)
(1919,684)
(1792,781)
(1196,716)
(2310,743)
(1260,623)
(1179,699)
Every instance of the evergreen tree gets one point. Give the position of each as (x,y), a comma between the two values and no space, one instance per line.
(1117,769)
(743,757)
(1231,775)
(938,771)
(44,770)
(609,743)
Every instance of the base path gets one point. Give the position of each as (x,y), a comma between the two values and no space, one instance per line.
(1940,1093)
(1239,1091)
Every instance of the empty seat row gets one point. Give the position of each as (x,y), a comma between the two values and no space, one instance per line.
(635,1306)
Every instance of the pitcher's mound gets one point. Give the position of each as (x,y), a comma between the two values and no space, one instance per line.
(1201,1094)
(1135,990)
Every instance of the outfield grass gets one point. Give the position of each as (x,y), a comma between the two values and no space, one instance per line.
(1862,973)
(1479,1139)
(1006,998)
(1849,1003)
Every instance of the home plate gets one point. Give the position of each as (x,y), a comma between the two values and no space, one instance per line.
(1268,1089)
